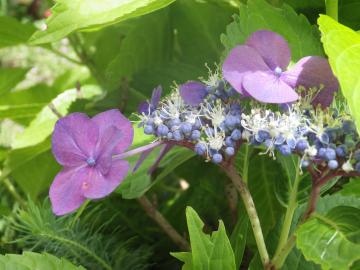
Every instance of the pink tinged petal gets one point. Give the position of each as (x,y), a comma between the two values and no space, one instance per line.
(268,88)
(74,139)
(313,71)
(144,107)
(99,185)
(105,149)
(273,48)
(65,192)
(242,60)
(115,118)
(192,92)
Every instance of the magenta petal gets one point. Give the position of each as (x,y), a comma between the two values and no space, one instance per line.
(268,88)
(100,185)
(192,92)
(115,118)
(242,60)
(273,48)
(65,192)
(313,71)
(74,139)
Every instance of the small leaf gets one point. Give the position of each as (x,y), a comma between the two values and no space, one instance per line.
(72,15)
(185,257)
(327,239)
(31,261)
(209,252)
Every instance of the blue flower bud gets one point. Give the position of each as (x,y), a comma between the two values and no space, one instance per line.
(162,130)
(236,134)
(305,163)
(348,127)
(149,130)
(285,150)
(229,151)
(178,136)
(195,135)
(186,128)
(322,152)
(302,145)
(333,164)
(229,142)
(330,154)
(217,158)
(230,121)
(341,150)
(200,148)
(262,135)
(357,155)
(279,140)
(170,136)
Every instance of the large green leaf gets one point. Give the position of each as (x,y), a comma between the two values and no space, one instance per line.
(72,15)
(13,32)
(258,15)
(32,261)
(208,252)
(42,125)
(342,45)
(10,77)
(238,239)
(328,239)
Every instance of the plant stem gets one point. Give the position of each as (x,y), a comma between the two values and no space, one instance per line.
(10,187)
(292,205)
(79,212)
(245,173)
(332,8)
(251,211)
(155,215)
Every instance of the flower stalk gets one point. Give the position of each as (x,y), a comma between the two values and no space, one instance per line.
(251,211)
(155,215)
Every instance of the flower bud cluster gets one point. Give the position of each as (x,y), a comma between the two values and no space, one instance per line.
(219,124)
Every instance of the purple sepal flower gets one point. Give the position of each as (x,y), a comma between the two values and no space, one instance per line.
(258,69)
(148,107)
(84,147)
(193,93)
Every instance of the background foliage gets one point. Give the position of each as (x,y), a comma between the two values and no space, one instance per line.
(94,55)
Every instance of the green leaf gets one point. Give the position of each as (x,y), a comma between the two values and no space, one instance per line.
(198,24)
(258,15)
(264,174)
(42,125)
(342,45)
(136,184)
(208,252)
(185,257)
(72,15)
(351,188)
(327,239)
(238,239)
(139,50)
(22,165)
(31,261)
(13,32)
(10,77)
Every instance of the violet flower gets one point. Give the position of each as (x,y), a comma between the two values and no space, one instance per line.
(84,147)
(148,107)
(193,92)
(259,69)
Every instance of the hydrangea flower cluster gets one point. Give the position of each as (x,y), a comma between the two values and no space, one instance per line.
(210,114)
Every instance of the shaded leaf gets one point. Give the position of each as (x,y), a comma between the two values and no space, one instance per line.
(12,32)
(10,77)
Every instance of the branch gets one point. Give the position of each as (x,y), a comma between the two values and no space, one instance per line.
(155,215)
